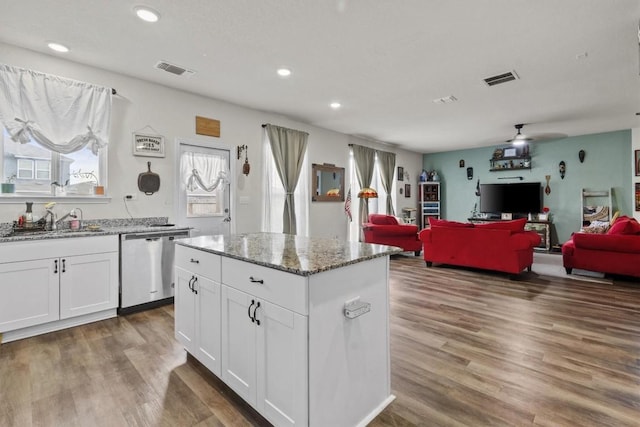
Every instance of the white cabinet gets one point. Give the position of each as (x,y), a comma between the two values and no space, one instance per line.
(29,291)
(264,356)
(285,344)
(51,284)
(197,302)
(88,283)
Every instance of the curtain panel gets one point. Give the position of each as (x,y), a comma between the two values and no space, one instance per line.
(288,147)
(365,162)
(60,114)
(387,165)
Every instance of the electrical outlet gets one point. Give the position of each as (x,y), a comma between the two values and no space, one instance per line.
(132,196)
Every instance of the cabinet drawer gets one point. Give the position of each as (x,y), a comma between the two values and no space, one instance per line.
(198,262)
(284,289)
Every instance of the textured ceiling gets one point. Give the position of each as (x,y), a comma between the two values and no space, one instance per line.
(384,60)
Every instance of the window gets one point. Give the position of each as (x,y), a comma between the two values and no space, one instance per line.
(34,169)
(54,133)
(25,169)
(377,205)
(274,194)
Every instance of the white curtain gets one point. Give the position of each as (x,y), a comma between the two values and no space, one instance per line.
(204,172)
(61,114)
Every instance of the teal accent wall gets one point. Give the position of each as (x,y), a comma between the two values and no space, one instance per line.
(607,165)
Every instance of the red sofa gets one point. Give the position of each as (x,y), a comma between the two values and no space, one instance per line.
(385,230)
(501,245)
(616,252)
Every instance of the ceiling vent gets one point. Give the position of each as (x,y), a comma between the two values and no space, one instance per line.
(501,78)
(174,69)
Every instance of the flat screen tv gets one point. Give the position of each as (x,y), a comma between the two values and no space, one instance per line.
(519,198)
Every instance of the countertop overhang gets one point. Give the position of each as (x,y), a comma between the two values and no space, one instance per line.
(303,256)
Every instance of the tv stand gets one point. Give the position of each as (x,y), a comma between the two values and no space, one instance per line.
(543,228)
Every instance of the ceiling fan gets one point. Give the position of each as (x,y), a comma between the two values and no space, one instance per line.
(520,139)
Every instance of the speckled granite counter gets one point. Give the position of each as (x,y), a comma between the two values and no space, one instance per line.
(105,227)
(294,254)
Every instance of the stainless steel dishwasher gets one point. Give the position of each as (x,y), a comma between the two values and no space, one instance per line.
(146,269)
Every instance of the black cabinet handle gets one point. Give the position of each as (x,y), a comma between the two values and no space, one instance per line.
(64,265)
(55,266)
(255,310)
(195,261)
(253,280)
(191,283)
(194,285)
(249,311)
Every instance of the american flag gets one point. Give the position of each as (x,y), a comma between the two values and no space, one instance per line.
(347,206)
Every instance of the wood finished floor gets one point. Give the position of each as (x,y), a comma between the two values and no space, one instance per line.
(468,348)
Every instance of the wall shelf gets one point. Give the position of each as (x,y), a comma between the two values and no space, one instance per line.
(510,163)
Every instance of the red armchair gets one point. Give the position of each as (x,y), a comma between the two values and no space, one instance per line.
(616,252)
(385,230)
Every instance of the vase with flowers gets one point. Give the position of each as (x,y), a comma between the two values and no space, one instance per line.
(545,215)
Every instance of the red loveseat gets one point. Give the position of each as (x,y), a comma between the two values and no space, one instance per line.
(385,230)
(616,252)
(500,246)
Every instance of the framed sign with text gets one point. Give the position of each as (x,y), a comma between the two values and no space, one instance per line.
(148,145)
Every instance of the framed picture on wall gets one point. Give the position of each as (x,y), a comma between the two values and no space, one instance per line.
(407,190)
(637,196)
(148,145)
(400,173)
(637,162)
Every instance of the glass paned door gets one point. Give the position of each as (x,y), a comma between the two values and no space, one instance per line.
(204,190)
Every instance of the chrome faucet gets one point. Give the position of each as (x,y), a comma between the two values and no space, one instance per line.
(73,214)
(53,225)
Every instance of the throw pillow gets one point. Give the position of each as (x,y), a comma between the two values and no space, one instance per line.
(434,222)
(625,225)
(515,225)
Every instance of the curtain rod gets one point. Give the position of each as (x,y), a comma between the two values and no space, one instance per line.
(264,125)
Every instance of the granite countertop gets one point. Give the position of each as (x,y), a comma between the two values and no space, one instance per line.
(101,227)
(303,256)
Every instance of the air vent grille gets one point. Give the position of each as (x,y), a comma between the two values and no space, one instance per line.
(501,78)
(174,69)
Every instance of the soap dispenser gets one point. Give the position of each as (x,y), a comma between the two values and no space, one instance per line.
(28,215)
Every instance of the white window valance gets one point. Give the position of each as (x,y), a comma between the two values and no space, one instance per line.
(61,114)
(204,172)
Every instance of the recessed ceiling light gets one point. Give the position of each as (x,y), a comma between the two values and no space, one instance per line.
(335,105)
(146,13)
(284,72)
(58,47)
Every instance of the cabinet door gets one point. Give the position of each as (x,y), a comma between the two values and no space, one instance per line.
(239,343)
(29,293)
(88,284)
(282,375)
(208,323)
(185,309)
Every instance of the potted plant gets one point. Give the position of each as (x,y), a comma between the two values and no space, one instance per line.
(9,186)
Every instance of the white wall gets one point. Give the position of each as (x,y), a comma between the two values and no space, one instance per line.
(172,114)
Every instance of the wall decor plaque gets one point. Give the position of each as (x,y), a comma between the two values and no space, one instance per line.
(148,145)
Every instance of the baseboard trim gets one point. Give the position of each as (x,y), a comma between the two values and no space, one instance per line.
(378,409)
(57,325)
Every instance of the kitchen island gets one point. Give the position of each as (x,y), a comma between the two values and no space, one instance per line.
(298,327)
